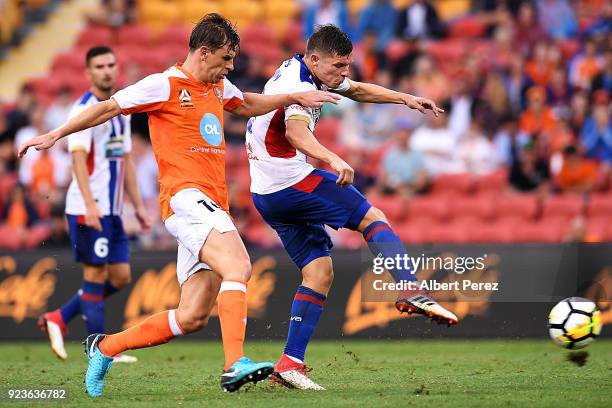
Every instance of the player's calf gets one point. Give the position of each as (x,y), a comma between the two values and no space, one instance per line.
(192,320)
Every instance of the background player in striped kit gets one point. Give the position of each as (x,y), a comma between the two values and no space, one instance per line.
(102,166)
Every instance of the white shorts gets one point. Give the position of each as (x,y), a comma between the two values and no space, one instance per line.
(195,215)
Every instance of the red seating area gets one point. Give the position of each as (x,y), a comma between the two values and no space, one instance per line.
(476,216)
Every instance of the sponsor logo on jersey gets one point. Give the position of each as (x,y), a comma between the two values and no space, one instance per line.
(210,128)
(185,98)
(250,154)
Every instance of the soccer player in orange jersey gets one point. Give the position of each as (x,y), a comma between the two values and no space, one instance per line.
(185,106)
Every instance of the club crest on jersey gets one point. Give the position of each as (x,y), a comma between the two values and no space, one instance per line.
(219,94)
(185,98)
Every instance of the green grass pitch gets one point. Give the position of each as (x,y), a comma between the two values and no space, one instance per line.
(451,373)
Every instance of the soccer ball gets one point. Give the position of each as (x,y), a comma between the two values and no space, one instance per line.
(574,323)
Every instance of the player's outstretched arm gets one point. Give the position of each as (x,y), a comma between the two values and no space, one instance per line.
(372,93)
(90,117)
(258,104)
(300,137)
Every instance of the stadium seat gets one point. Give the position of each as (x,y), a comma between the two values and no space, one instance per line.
(521,206)
(446,233)
(78,84)
(496,232)
(394,206)
(44,85)
(411,233)
(95,35)
(447,50)
(428,207)
(599,228)
(450,9)
(175,36)
(453,184)
(35,235)
(492,183)
(8,238)
(258,33)
(245,10)
(73,60)
(7,183)
(396,49)
(327,131)
(478,206)
(158,14)
(599,205)
(193,10)
(293,37)
(135,35)
(567,206)
(539,232)
(275,9)
(467,27)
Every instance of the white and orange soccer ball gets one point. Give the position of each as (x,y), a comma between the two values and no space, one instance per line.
(574,323)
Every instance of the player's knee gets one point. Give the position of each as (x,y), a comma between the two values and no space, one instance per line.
(318,278)
(193,320)
(241,270)
(121,281)
(95,273)
(373,215)
(378,215)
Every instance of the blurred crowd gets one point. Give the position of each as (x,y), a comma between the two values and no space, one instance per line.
(526,87)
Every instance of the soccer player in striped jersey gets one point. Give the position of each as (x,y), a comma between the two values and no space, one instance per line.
(298,200)
(102,166)
(185,105)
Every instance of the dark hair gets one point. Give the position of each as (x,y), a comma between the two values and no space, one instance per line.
(214,32)
(95,51)
(329,39)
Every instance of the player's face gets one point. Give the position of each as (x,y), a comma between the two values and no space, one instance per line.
(331,69)
(102,71)
(218,64)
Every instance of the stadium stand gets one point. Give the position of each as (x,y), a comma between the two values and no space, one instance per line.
(474,46)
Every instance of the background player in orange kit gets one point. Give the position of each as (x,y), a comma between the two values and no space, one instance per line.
(185,106)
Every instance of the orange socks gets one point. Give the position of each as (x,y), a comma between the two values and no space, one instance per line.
(163,327)
(232,307)
(157,329)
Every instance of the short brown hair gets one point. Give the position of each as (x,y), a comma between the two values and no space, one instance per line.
(214,31)
(329,39)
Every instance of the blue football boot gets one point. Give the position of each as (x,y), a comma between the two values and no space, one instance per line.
(244,371)
(99,364)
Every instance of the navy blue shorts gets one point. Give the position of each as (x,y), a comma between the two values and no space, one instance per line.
(299,214)
(98,248)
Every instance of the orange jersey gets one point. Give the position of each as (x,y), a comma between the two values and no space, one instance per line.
(186,127)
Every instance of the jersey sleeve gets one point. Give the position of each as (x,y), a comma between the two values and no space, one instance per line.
(127,134)
(232,96)
(146,95)
(79,141)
